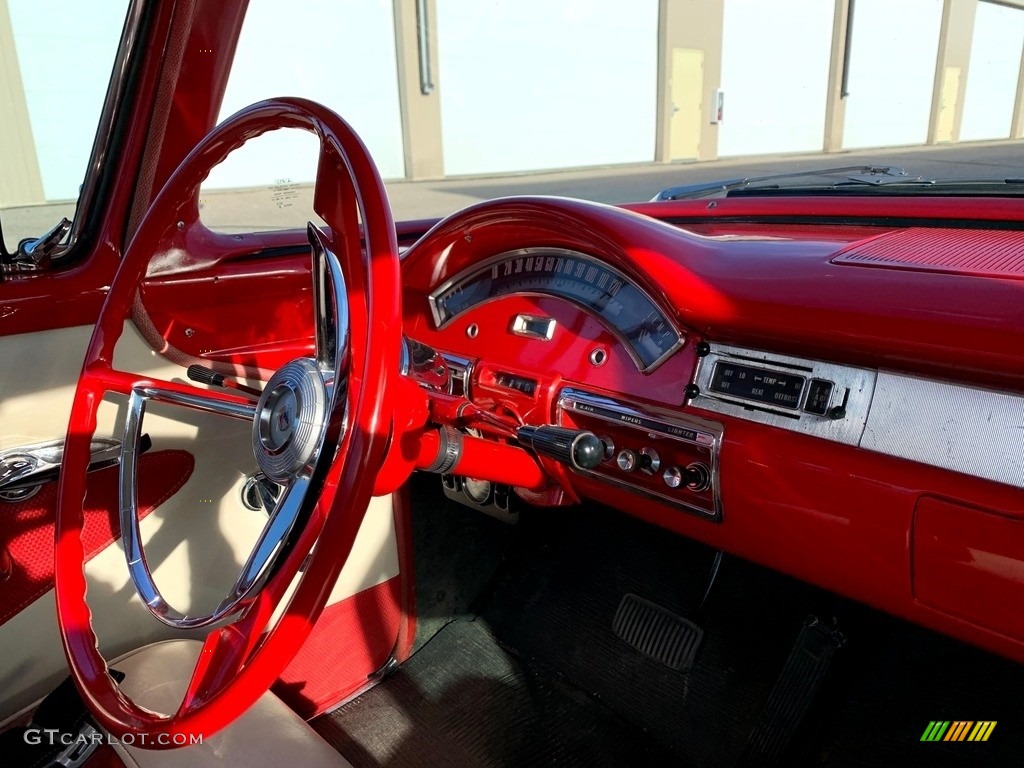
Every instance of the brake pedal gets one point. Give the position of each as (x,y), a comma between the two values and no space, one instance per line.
(657,633)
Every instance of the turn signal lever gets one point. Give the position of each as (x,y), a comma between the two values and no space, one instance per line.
(208,376)
(576,447)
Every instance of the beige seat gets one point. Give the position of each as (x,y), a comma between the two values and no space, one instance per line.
(269,734)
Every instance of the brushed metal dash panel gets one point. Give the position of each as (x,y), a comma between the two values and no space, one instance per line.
(965,429)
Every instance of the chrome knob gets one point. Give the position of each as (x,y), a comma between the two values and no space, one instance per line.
(673,477)
(626,460)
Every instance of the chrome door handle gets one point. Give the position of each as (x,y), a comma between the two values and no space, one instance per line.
(24,469)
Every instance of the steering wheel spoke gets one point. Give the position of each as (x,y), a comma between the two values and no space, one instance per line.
(104,379)
(330,309)
(273,539)
(222,656)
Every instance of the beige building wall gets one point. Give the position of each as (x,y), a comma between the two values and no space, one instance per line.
(954,55)
(20,181)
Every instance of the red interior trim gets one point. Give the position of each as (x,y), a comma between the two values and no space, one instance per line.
(27,527)
(980,252)
(351,640)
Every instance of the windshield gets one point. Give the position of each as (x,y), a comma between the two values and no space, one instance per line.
(607,100)
(55,65)
(617,102)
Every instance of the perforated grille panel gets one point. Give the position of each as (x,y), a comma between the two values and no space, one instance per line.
(992,253)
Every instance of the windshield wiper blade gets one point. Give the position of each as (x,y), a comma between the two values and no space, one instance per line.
(870,175)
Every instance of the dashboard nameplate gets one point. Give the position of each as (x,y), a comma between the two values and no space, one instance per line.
(651,425)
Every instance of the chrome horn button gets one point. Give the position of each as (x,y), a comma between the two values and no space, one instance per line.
(290,420)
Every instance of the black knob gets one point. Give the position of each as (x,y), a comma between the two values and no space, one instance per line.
(837,413)
(703,349)
(205,376)
(576,447)
(692,390)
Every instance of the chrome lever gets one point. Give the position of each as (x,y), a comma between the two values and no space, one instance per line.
(24,469)
(35,253)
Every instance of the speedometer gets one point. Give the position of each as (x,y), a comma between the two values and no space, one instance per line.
(649,334)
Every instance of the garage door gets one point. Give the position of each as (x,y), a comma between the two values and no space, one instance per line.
(536,84)
(892,72)
(775,75)
(992,72)
(352,70)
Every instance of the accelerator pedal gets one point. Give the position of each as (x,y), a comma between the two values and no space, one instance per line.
(793,693)
(657,632)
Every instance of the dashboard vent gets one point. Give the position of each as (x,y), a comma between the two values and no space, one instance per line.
(986,253)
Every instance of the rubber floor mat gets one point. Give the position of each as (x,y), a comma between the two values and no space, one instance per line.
(465,700)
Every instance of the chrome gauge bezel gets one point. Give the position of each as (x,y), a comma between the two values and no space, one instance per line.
(471,273)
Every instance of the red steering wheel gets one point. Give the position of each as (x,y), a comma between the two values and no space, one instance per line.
(320,429)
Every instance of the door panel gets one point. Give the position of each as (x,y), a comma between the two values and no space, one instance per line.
(27,526)
(196,540)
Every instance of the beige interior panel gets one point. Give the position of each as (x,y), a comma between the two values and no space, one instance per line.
(196,542)
(37,383)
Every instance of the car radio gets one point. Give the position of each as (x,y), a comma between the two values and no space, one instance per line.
(810,396)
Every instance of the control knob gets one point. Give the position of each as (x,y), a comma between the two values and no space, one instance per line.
(626,460)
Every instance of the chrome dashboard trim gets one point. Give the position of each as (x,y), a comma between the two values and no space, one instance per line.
(481,266)
(964,429)
(460,371)
(534,326)
(658,422)
(853,391)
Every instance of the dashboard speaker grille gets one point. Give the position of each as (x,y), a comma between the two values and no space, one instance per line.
(991,253)
(657,633)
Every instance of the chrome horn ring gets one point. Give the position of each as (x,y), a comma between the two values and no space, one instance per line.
(296,428)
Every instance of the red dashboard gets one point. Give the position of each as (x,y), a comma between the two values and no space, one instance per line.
(911,538)
(912,503)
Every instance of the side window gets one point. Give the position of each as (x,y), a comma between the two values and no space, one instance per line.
(56,60)
(267,184)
